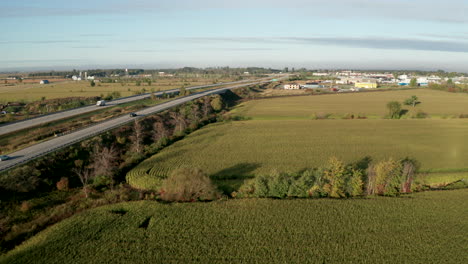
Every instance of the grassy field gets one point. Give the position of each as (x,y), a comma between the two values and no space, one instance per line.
(32,92)
(246,148)
(426,227)
(372,104)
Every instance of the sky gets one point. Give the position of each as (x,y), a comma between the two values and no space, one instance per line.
(315,34)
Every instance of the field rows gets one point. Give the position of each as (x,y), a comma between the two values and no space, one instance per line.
(247,148)
(372,104)
(426,227)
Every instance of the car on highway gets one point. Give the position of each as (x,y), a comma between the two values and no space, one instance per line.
(133,114)
(4,157)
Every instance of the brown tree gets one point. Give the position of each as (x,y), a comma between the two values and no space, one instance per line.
(137,137)
(206,106)
(84,175)
(104,162)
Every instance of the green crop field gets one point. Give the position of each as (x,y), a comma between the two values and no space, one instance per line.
(246,148)
(372,104)
(33,92)
(428,227)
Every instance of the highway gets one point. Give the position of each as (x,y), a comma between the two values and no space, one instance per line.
(65,140)
(44,119)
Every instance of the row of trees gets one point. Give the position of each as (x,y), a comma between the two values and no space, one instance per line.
(389,177)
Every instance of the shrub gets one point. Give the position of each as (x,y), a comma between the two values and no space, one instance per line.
(348,116)
(25,206)
(188,185)
(354,183)
(278,185)
(301,186)
(388,177)
(394,109)
(62,185)
(321,115)
(420,114)
(217,103)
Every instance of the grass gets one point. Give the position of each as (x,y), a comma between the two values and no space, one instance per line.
(242,149)
(373,104)
(425,227)
(33,92)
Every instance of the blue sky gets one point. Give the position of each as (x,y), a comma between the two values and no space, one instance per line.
(387,34)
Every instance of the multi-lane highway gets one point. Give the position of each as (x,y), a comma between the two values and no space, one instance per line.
(20,125)
(56,143)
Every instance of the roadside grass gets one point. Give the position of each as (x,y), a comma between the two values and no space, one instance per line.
(428,227)
(244,149)
(437,104)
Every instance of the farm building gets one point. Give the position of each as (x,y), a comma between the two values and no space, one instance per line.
(311,85)
(366,85)
(292,86)
(44,82)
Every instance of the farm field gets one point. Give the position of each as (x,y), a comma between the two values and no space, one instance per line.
(427,227)
(243,149)
(437,104)
(33,92)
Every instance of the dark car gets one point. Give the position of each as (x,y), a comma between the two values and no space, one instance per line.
(4,157)
(133,114)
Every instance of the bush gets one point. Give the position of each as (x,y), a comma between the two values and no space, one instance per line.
(318,116)
(278,185)
(62,185)
(188,185)
(420,114)
(301,186)
(394,109)
(388,177)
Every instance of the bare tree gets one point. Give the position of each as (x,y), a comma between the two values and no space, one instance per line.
(206,106)
(371,180)
(408,176)
(84,175)
(195,114)
(179,121)
(137,137)
(104,162)
(160,131)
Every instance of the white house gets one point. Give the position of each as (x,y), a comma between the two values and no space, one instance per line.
(292,86)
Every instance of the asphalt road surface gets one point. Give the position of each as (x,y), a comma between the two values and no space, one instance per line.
(65,140)
(20,125)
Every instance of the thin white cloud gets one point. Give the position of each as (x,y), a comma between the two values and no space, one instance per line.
(368,42)
(450,11)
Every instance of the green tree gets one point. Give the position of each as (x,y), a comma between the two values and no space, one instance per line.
(182,91)
(394,109)
(92,83)
(217,103)
(334,177)
(413,101)
(413,82)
